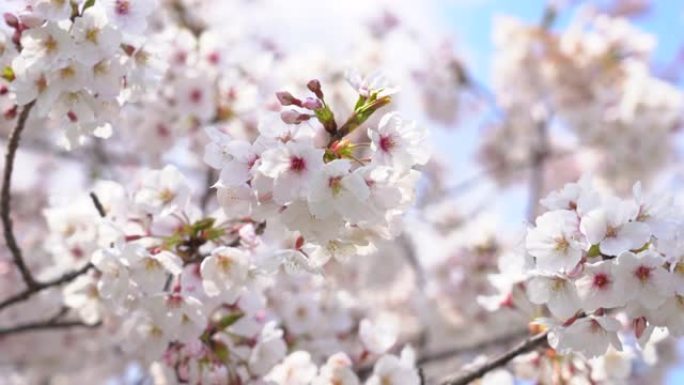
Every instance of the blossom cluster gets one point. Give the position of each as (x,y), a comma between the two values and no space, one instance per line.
(185,294)
(331,191)
(185,290)
(596,257)
(78,61)
(593,78)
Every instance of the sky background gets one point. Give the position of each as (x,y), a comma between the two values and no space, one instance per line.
(471,22)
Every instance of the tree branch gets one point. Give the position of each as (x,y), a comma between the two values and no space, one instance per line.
(52,323)
(5,198)
(539,154)
(98,205)
(65,278)
(29,292)
(185,19)
(467,376)
(210,179)
(428,358)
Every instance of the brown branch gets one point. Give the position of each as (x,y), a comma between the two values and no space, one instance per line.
(40,286)
(185,19)
(65,278)
(209,192)
(98,205)
(5,198)
(51,324)
(469,375)
(431,357)
(539,153)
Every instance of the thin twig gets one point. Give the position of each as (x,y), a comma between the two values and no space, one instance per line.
(467,376)
(185,19)
(429,358)
(432,357)
(65,278)
(29,292)
(539,154)
(5,209)
(98,205)
(46,325)
(209,191)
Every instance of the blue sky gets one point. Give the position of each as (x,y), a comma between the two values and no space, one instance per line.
(471,21)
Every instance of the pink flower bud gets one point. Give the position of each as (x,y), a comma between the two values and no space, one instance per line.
(312,104)
(293,117)
(11,20)
(315,87)
(286,99)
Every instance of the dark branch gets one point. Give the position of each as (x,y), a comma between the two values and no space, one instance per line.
(5,198)
(445,354)
(186,19)
(540,155)
(98,205)
(467,376)
(209,192)
(51,324)
(29,292)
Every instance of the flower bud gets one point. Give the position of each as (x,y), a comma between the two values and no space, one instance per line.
(293,117)
(11,20)
(315,87)
(312,104)
(286,99)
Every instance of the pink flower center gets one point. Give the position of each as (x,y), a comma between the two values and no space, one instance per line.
(196,96)
(163,131)
(214,58)
(643,273)
(252,161)
(386,143)
(335,184)
(174,301)
(601,280)
(122,7)
(297,164)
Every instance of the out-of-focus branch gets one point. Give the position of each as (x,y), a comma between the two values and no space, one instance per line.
(421,280)
(53,323)
(5,198)
(467,376)
(539,154)
(431,357)
(185,18)
(476,179)
(98,205)
(209,191)
(441,355)
(40,286)
(65,278)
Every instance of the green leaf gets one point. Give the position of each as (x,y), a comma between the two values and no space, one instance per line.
(222,352)
(594,251)
(88,4)
(8,74)
(229,320)
(201,225)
